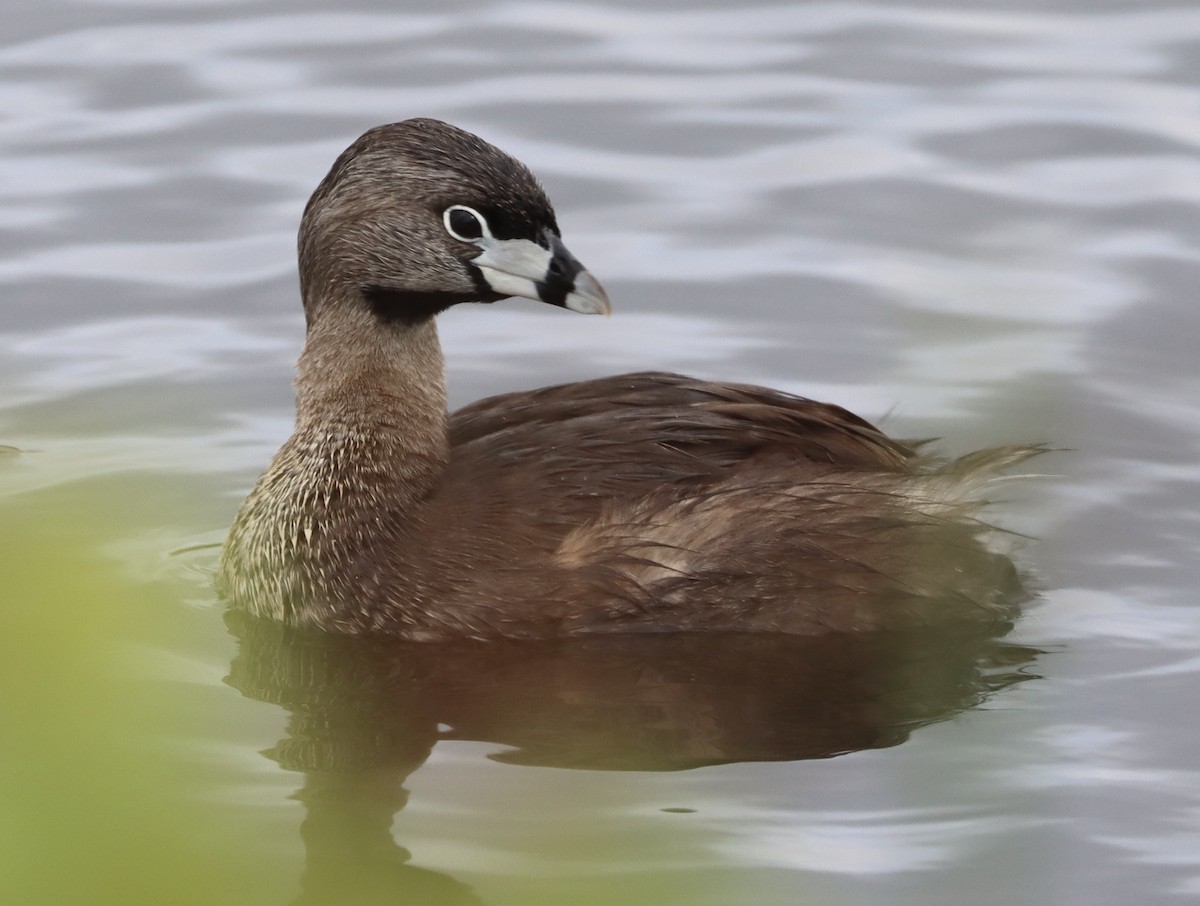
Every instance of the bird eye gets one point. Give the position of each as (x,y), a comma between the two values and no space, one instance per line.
(465,223)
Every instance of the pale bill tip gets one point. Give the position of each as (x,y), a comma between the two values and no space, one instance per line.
(587,296)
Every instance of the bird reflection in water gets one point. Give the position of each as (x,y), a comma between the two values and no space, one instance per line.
(365,713)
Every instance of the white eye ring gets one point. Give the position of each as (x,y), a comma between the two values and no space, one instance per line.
(484,232)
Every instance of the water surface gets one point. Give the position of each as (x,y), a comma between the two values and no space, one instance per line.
(973,220)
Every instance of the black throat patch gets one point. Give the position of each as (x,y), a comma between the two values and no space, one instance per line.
(397,306)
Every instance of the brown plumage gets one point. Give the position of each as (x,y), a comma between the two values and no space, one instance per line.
(643,502)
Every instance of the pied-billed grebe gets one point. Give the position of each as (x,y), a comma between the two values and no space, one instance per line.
(644,502)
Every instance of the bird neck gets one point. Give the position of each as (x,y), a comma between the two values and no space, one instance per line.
(347,487)
(372,394)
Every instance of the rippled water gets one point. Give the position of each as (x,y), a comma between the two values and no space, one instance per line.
(978,220)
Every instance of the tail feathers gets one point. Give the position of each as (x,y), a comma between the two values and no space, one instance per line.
(958,488)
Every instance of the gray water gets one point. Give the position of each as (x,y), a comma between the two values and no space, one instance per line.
(976,221)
